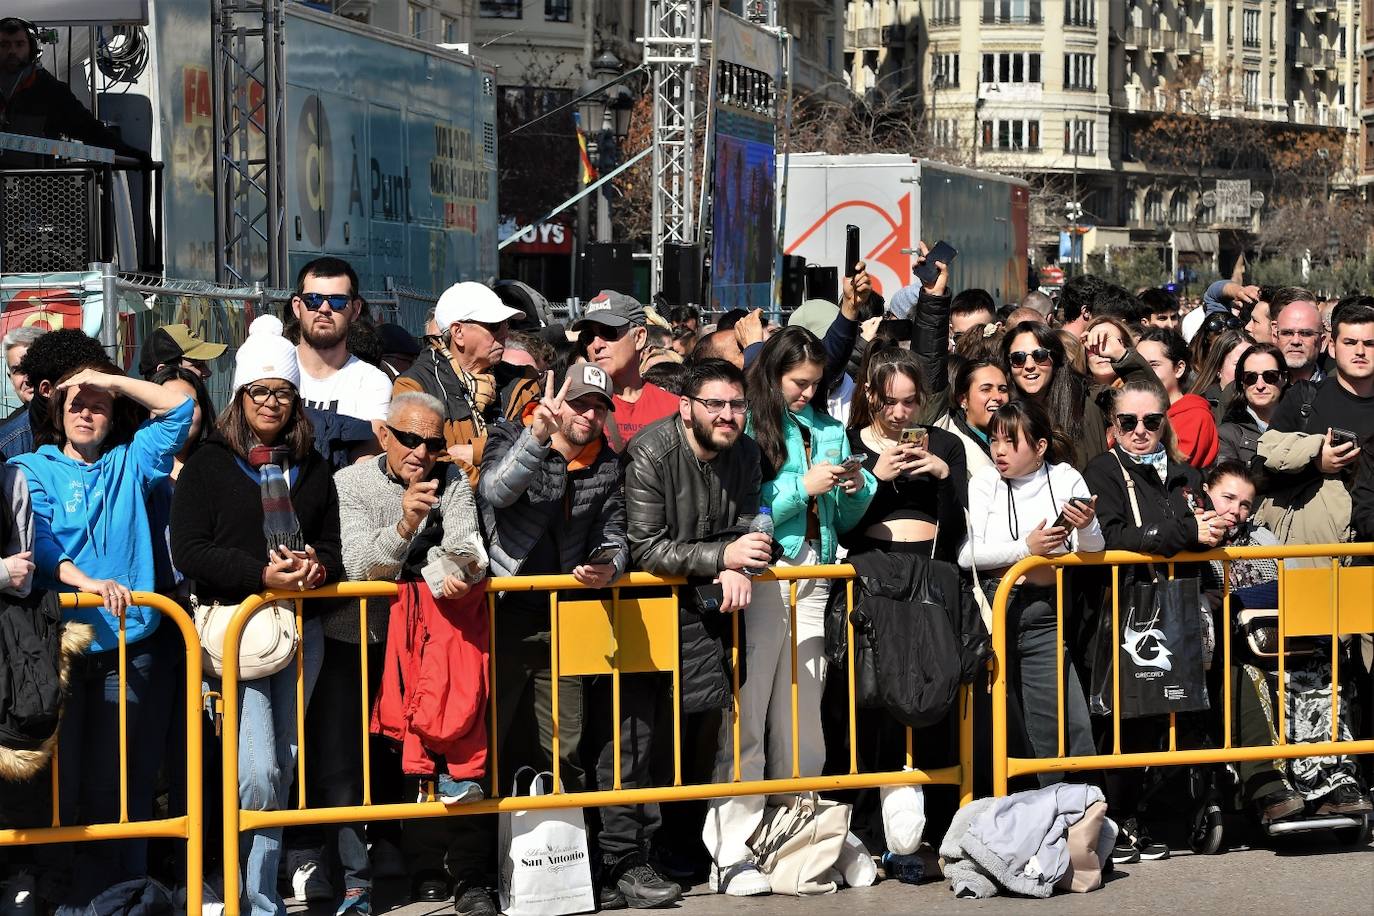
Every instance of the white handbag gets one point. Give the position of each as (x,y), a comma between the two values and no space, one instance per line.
(267,645)
(798,845)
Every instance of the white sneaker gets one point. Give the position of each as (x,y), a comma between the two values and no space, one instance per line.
(310,885)
(743,879)
(210,904)
(17,897)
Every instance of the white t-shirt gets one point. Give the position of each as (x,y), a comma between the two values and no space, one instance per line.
(357,390)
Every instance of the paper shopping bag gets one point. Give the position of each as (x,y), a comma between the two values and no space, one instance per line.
(545,870)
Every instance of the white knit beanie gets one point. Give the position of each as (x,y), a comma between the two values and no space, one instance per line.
(265,354)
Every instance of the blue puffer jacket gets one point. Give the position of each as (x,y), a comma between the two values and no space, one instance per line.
(786,496)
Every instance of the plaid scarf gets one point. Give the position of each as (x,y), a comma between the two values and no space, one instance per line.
(279,522)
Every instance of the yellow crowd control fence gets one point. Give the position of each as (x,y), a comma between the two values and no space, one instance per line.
(185,826)
(1318,596)
(629,632)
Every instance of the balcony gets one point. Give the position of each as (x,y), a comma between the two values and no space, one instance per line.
(1184,44)
(943,20)
(1135,38)
(865,39)
(1321,8)
(999,17)
(894,36)
(1079,22)
(1312,58)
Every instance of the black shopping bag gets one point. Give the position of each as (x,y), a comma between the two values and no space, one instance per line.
(1160,649)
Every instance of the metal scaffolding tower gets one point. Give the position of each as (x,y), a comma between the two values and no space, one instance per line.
(672,51)
(250,145)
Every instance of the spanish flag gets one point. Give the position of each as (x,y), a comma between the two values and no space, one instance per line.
(588,171)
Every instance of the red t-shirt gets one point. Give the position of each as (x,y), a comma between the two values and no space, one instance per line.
(654,404)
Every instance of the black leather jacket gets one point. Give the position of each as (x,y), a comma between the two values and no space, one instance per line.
(675,502)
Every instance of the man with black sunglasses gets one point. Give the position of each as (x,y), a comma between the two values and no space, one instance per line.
(612,333)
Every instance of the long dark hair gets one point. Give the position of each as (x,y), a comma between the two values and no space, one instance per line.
(126,415)
(1238,401)
(783,352)
(1026,419)
(202,396)
(297,437)
(882,361)
(1067,392)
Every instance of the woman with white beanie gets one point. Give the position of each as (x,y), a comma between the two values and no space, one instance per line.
(255,509)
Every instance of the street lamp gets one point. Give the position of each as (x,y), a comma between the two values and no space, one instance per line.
(605,112)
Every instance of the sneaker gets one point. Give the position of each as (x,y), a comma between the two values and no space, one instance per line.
(18,895)
(609,897)
(474,901)
(1125,853)
(1344,799)
(310,884)
(644,888)
(907,869)
(1147,850)
(743,879)
(1279,805)
(451,791)
(356,901)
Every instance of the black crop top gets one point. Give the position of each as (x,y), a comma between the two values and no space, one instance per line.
(940,502)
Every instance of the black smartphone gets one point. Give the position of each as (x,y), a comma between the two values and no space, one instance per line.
(927,271)
(603,554)
(1062,521)
(851,250)
(1341,437)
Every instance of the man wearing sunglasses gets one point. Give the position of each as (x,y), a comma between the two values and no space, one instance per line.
(332,379)
(465,370)
(612,333)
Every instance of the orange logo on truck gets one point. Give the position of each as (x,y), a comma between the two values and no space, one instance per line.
(888,251)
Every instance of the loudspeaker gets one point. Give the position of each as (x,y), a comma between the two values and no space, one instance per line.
(682,274)
(793,281)
(823,283)
(48,220)
(607,265)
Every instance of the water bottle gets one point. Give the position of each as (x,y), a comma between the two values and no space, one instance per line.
(763,522)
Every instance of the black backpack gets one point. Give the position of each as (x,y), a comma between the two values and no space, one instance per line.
(30,683)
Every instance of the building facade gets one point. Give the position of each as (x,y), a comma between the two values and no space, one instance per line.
(1062,89)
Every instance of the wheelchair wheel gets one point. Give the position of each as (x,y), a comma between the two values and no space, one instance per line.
(1208,831)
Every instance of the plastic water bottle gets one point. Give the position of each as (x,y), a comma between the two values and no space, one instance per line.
(763,522)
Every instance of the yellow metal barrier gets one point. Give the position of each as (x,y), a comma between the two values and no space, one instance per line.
(1313,601)
(631,634)
(186,827)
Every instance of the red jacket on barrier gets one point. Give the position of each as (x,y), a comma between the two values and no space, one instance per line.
(433,698)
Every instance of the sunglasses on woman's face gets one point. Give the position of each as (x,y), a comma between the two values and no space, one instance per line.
(1127,422)
(1270,376)
(412,441)
(1018,357)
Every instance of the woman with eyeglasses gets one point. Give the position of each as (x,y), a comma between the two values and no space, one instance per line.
(1149,500)
(1028,504)
(1035,362)
(255,508)
(1261,378)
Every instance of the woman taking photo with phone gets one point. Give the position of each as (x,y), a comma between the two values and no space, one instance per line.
(1029,505)
(260,473)
(815,495)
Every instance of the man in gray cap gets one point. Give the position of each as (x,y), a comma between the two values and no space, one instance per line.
(611,334)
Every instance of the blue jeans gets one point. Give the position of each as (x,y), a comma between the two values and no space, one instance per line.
(88,758)
(267,763)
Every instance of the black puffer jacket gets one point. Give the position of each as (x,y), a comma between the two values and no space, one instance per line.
(527,489)
(1167,524)
(682,515)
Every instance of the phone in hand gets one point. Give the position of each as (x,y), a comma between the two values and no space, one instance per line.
(927,272)
(851,250)
(918,436)
(1340,437)
(1062,521)
(604,554)
(853,462)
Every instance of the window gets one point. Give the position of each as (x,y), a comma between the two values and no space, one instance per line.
(1340,94)
(1272,95)
(1080,71)
(1230,25)
(1011,134)
(1273,32)
(557,10)
(945,70)
(1340,41)
(1179,210)
(945,11)
(1250,88)
(1011,67)
(500,9)
(1078,136)
(450,30)
(1154,208)
(946,132)
(1012,11)
(1080,12)
(1250,35)
(1208,30)
(417,21)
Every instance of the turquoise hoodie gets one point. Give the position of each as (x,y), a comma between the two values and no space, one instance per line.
(786,496)
(96,515)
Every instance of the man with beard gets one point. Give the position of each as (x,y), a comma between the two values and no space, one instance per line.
(1296,325)
(332,379)
(552,500)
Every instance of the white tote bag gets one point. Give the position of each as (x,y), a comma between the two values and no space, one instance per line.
(545,870)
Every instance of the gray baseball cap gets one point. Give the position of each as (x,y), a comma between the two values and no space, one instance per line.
(613,310)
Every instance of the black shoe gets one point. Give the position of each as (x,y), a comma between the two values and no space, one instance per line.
(474,901)
(1344,799)
(609,897)
(430,887)
(1279,805)
(644,888)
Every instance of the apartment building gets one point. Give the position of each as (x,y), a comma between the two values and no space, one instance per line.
(1366,95)
(1057,88)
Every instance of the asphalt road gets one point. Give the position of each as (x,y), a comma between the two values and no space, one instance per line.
(1311,878)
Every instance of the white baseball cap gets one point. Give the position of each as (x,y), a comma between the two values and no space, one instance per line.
(471,301)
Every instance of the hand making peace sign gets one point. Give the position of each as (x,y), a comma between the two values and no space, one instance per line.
(548,415)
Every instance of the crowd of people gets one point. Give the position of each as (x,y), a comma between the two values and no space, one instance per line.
(941,428)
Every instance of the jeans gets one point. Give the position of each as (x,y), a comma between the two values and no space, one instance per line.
(88,758)
(267,762)
(627,829)
(765,707)
(1035,676)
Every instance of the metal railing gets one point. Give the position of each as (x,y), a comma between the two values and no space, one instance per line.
(1300,613)
(616,636)
(185,826)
